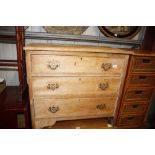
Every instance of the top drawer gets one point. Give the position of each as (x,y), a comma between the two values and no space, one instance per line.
(143,64)
(60,64)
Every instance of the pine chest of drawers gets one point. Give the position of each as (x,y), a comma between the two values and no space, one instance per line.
(74,82)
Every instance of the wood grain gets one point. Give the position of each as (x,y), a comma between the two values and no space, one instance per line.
(143,64)
(141,79)
(54,64)
(134,108)
(137,94)
(130,120)
(76,86)
(59,76)
(74,107)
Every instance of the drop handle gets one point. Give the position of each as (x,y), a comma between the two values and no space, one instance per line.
(106,66)
(103,86)
(101,106)
(53,65)
(52,86)
(53,109)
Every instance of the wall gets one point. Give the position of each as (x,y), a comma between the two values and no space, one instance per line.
(8,51)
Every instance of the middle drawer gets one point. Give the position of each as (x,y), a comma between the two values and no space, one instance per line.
(76,86)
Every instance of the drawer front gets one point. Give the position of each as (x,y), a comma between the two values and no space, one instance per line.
(130,120)
(74,107)
(56,64)
(134,108)
(75,86)
(142,79)
(138,94)
(143,64)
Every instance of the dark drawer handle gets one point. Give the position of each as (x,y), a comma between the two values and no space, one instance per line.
(106,66)
(53,65)
(135,106)
(142,77)
(138,92)
(103,86)
(101,106)
(146,60)
(53,109)
(52,86)
(130,118)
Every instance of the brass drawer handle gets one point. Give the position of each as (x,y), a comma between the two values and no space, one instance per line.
(106,66)
(53,109)
(53,65)
(104,86)
(101,106)
(52,86)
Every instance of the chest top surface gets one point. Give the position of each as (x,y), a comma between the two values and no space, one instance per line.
(85,48)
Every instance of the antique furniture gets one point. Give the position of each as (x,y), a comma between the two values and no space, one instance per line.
(138,90)
(73,82)
(14,101)
(69,82)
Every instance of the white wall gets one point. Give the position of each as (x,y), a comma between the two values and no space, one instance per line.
(8,51)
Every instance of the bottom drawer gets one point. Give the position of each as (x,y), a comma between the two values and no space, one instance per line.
(74,107)
(130,120)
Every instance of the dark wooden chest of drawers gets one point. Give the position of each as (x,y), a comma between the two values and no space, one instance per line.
(138,90)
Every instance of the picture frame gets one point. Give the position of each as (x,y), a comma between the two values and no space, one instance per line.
(120,31)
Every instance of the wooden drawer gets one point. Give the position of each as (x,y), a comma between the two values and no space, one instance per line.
(130,120)
(75,86)
(138,94)
(143,64)
(133,108)
(60,64)
(74,107)
(141,79)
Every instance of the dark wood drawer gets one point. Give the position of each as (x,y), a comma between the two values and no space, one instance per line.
(138,94)
(141,79)
(133,108)
(143,64)
(130,120)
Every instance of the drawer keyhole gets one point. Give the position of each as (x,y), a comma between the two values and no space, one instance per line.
(135,106)
(138,92)
(146,60)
